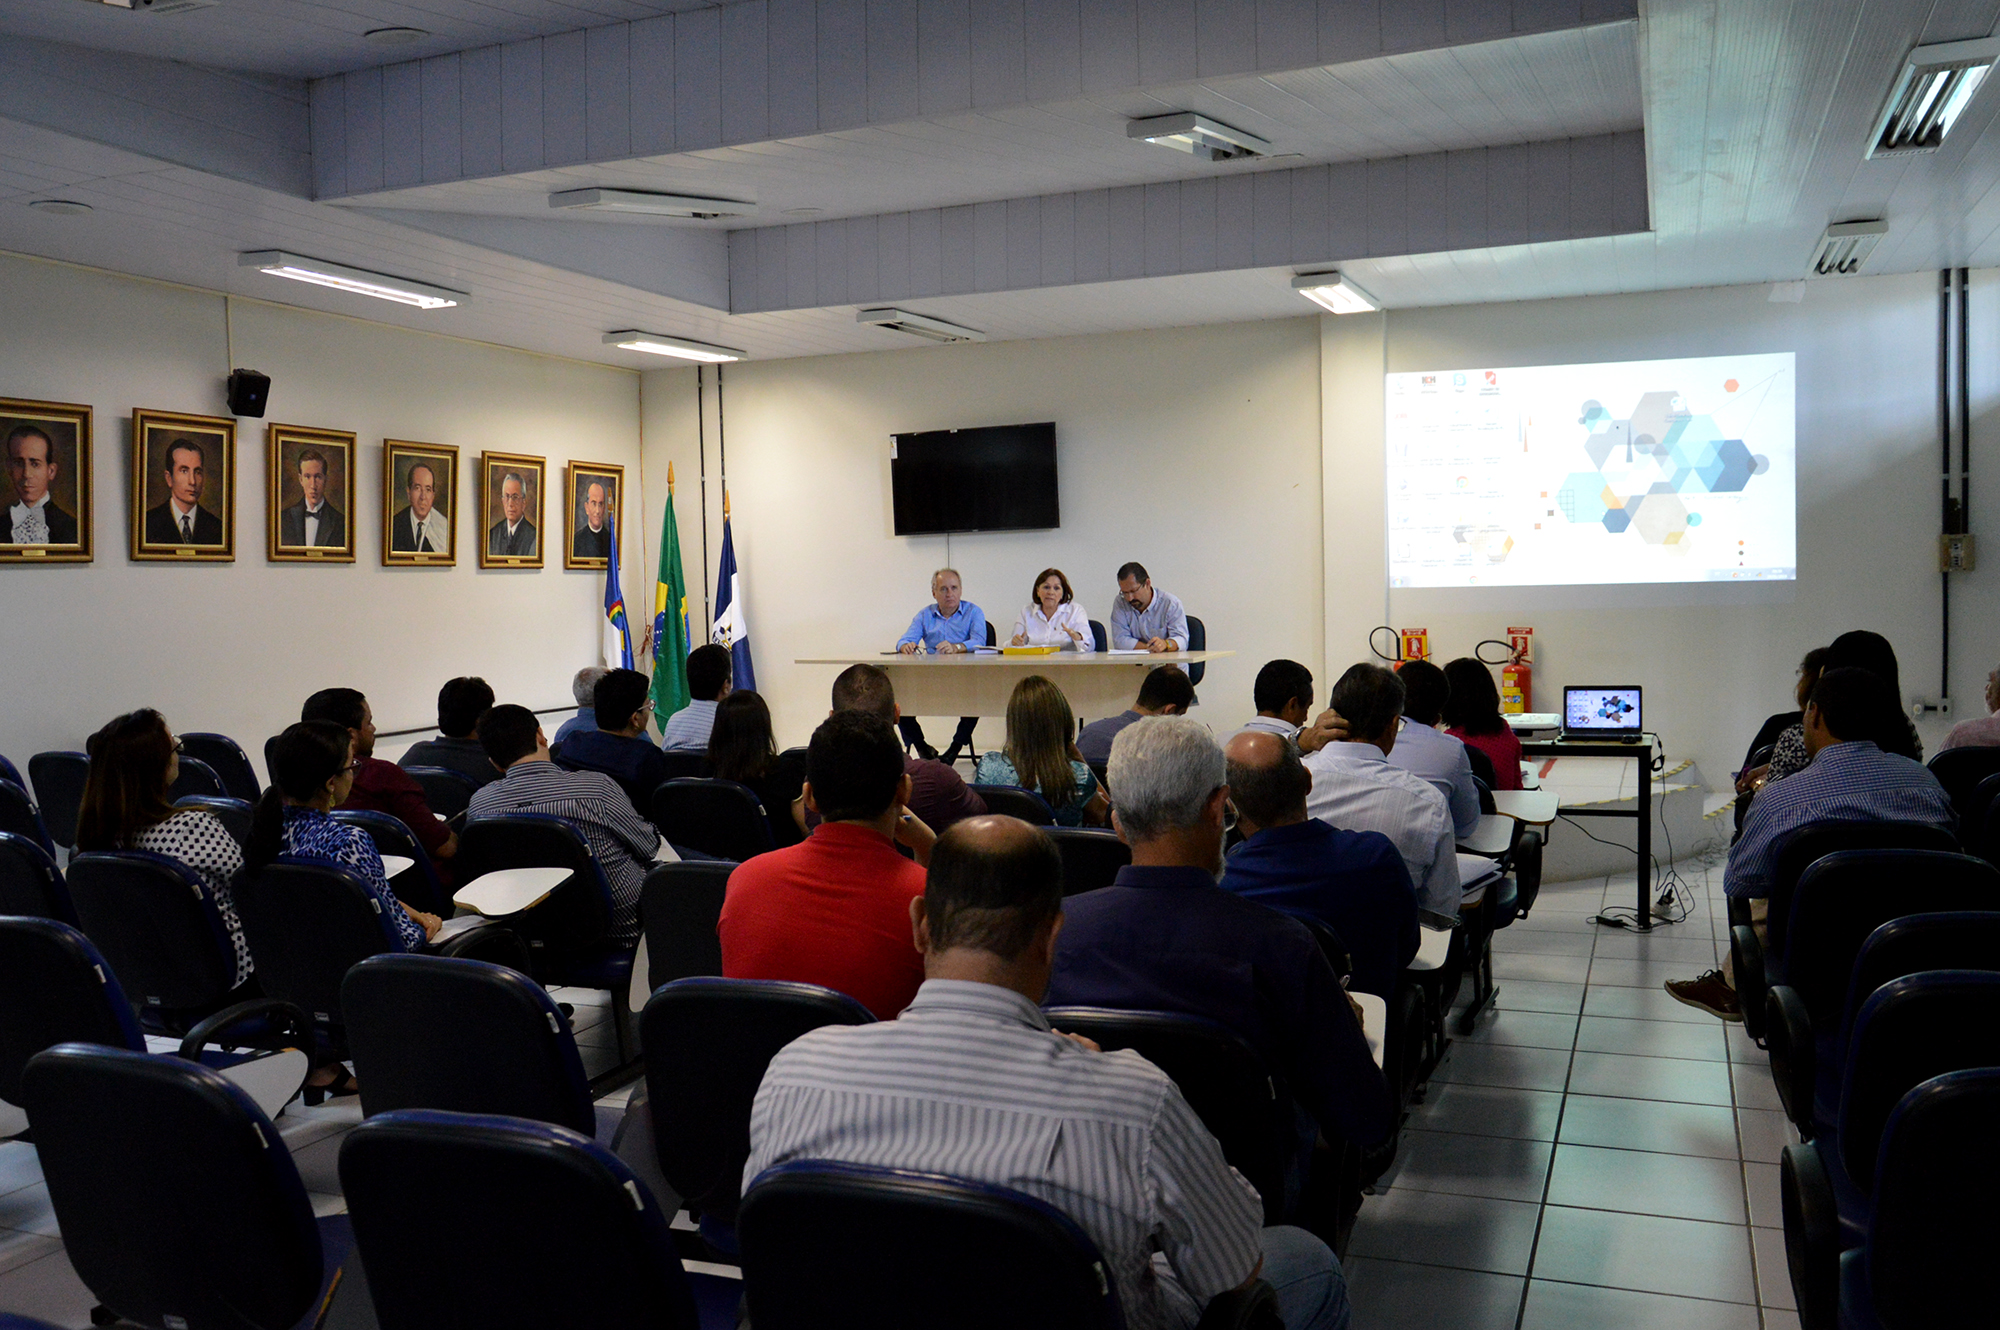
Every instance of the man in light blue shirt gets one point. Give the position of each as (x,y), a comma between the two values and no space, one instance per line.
(708,670)
(1144,619)
(1422,749)
(950,627)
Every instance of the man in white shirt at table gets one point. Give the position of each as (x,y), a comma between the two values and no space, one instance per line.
(1146,619)
(1356,789)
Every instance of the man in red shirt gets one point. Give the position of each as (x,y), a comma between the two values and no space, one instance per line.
(383,787)
(834,910)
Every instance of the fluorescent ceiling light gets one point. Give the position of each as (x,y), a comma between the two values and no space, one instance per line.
(1335,293)
(1845,247)
(161,6)
(646,203)
(1210,140)
(359,281)
(659,344)
(1929,95)
(918,325)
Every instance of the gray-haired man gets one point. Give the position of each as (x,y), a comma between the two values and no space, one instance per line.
(1165,937)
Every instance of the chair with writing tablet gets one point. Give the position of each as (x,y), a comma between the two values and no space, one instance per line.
(508,1224)
(56,988)
(680,907)
(59,780)
(30,882)
(462,1036)
(415,879)
(718,817)
(226,758)
(446,792)
(214,1232)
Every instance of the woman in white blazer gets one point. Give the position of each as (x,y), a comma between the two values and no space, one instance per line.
(1053,618)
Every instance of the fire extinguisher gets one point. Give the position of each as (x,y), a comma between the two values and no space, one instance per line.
(1517,676)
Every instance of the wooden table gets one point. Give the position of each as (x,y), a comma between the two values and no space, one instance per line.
(1097,683)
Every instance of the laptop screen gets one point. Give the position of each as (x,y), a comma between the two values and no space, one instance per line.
(1602,710)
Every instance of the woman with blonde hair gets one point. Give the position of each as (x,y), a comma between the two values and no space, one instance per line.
(1053,617)
(1041,755)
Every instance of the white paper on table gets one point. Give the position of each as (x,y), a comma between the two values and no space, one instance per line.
(1133,651)
(457,924)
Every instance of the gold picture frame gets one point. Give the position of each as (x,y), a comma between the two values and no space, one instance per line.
(585,547)
(183,475)
(47,453)
(296,457)
(510,538)
(403,544)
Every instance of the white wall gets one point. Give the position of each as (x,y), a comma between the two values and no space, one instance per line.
(1716,660)
(236,647)
(1195,451)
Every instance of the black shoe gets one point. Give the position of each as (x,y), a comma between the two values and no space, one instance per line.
(926,752)
(950,757)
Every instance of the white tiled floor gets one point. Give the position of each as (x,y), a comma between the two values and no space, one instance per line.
(1595,1154)
(35,1276)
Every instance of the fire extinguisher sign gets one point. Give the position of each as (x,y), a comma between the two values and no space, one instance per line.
(1517,676)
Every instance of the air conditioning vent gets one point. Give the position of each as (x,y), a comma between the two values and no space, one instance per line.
(919,325)
(1845,247)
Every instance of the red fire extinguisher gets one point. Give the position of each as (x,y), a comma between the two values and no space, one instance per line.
(1517,676)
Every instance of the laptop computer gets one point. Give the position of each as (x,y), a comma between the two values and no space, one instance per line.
(1603,713)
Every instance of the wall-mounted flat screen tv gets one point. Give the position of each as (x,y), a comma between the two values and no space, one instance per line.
(998,478)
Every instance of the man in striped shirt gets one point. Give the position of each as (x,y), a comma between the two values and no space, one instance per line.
(624,844)
(971,1081)
(1848,778)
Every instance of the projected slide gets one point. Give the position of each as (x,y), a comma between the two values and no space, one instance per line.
(1634,471)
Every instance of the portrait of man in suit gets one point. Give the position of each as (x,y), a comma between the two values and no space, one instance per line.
(421,526)
(591,491)
(513,534)
(510,502)
(182,519)
(32,516)
(314,521)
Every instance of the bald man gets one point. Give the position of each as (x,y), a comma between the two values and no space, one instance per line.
(1352,881)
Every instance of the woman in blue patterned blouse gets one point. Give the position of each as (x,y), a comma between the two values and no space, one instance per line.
(312,770)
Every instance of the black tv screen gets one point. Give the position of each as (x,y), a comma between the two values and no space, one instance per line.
(999,478)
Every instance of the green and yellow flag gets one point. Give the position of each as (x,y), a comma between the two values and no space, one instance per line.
(670,620)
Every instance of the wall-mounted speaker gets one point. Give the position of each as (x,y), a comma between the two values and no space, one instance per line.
(248,392)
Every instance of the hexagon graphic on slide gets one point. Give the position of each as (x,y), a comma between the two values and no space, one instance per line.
(1617,520)
(1580,497)
(1663,520)
(1731,468)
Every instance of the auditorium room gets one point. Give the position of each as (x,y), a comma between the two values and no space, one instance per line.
(976,664)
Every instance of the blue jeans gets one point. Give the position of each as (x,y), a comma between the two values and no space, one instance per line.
(1302,1270)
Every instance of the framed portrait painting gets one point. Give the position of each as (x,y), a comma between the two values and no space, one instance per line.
(45,485)
(510,510)
(419,510)
(590,510)
(183,487)
(309,479)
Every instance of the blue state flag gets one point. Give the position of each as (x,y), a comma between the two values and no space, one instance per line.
(617,631)
(732,622)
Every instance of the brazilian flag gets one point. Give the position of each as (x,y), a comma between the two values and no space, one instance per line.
(670,621)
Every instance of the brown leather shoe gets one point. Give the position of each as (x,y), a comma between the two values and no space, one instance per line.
(1710,993)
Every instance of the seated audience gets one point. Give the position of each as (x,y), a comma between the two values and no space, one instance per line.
(624,844)
(834,910)
(134,761)
(1981,731)
(741,748)
(1848,778)
(310,776)
(1040,755)
(1861,650)
(1472,715)
(938,794)
(1284,697)
(1774,730)
(1422,749)
(378,785)
(1164,937)
(1104,1137)
(1166,691)
(1356,789)
(461,702)
(1352,881)
(584,689)
(708,683)
(619,747)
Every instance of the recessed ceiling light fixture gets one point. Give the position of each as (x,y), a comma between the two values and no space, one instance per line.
(1334,293)
(1929,94)
(1210,140)
(804,212)
(60,207)
(393,36)
(646,203)
(359,281)
(659,344)
(1845,247)
(919,325)
(161,6)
